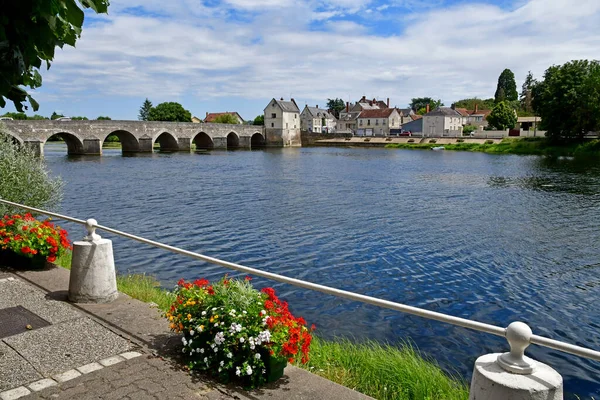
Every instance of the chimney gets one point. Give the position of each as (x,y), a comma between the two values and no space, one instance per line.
(363,99)
(476,107)
(347,106)
(281,99)
(374,100)
(207,114)
(317,106)
(453,106)
(388,102)
(427,108)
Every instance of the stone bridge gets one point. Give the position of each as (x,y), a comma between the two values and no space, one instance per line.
(87,137)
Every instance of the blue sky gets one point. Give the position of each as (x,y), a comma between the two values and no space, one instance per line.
(236,55)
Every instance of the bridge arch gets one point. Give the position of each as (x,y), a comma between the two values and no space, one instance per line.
(12,135)
(233,140)
(167,142)
(129,143)
(257,141)
(74,142)
(203,141)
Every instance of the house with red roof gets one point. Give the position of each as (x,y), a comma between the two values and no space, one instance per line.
(211,117)
(378,122)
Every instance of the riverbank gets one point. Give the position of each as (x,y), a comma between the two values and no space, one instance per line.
(380,371)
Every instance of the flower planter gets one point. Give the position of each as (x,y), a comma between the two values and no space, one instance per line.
(11,259)
(274,367)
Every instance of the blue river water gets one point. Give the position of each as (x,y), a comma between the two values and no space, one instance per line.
(494,238)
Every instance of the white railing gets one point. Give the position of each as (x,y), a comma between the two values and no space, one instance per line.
(518,334)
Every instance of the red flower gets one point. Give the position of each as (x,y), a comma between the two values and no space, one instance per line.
(25,250)
(247,278)
(270,292)
(269,304)
(210,290)
(201,282)
(181,282)
(51,258)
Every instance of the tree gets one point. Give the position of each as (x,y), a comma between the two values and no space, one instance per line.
(101,118)
(37,117)
(170,111)
(503,116)
(336,106)
(469,104)
(29,33)
(25,177)
(79,118)
(56,116)
(226,119)
(419,103)
(16,115)
(145,110)
(526,98)
(507,87)
(259,120)
(568,99)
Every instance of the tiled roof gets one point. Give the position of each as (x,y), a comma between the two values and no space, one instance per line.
(319,113)
(463,111)
(405,112)
(288,106)
(416,117)
(378,113)
(444,111)
(210,117)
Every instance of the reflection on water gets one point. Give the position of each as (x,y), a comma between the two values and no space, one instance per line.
(492,238)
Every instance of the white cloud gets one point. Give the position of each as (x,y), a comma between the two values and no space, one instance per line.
(183,48)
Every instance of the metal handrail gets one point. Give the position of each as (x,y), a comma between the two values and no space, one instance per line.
(91,225)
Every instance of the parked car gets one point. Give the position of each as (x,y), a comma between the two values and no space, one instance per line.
(406,133)
(6,119)
(63,119)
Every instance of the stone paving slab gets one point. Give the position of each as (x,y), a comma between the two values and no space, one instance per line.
(18,293)
(57,348)
(14,369)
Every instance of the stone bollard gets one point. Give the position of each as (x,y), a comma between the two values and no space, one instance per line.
(512,375)
(92,278)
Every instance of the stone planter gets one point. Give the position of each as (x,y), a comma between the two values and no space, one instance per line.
(10,259)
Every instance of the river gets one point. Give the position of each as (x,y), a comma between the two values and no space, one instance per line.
(494,238)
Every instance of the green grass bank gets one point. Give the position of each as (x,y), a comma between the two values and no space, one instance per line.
(378,370)
(531,146)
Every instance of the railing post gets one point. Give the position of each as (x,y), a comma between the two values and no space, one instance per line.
(92,278)
(513,375)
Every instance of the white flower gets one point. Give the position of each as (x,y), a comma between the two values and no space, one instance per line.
(190,342)
(249,370)
(214,309)
(264,336)
(203,312)
(263,312)
(220,369)
(222,363)
(183,350)
(191,333)
(216,325)
(222,323)
(257,356)
(229,355)
(242,340)
(235,328)
(237,371)
(219,338)
(202,351)
(206,360)
(244,312)
(191,352)
(252,347)
(264,371)
(216,349)
(199,328)
(184,341)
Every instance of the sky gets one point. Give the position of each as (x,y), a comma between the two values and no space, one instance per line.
(236,55)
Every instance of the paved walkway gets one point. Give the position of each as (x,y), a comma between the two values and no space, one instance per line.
(52,349)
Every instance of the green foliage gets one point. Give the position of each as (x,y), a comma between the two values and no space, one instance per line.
(467,129)
(383,371)
(420,104)
(55,116)
(29,33)
(226,119)
(25,178)
(145,110)
(37,117)
(259,120)
(145,288)
(170,111)
(79,118)
(469,104)
(112,138)
(503,116)
(568,99)
(507,87)
(336,106)
(526,98)
(16,115)
(101,118)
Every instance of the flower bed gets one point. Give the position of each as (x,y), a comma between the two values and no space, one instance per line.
(235,332)
(28,237)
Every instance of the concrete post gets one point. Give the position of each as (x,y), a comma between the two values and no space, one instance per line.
(184,144)
(514,376)
(37,146)
(145,144)
(92,278)
(92,147)
(220,143)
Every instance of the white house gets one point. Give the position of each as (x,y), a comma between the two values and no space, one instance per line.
(378,122)
(282,119)
(315,119)
(443,121)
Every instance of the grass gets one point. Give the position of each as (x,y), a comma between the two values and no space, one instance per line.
(377,370)
(531,146)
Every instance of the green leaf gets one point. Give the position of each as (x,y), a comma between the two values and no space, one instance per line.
(74,14)
(34,104)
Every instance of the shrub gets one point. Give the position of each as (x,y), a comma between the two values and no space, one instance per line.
(411,140)
(489,142)
(24,178)
(460,140)
(232,330)
(26,236)
(367,140)
(433,141)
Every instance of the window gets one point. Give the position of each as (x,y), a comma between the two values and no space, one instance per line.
(295,115)
(272,125)
(376,122)
(286,125)
(368,122)
(273,115)
(361,122)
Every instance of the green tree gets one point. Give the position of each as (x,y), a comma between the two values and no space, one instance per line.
(259,120)
(507,87)
(16,115)
(79,118)
(25,177)
(503,116)
(420,103)
(336,106)
(226,119)
(29,33)
(526,98)
(469,104)
(170,111)
(145,110)
(56,116)
(568,99)
(101,118)
(37,117)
